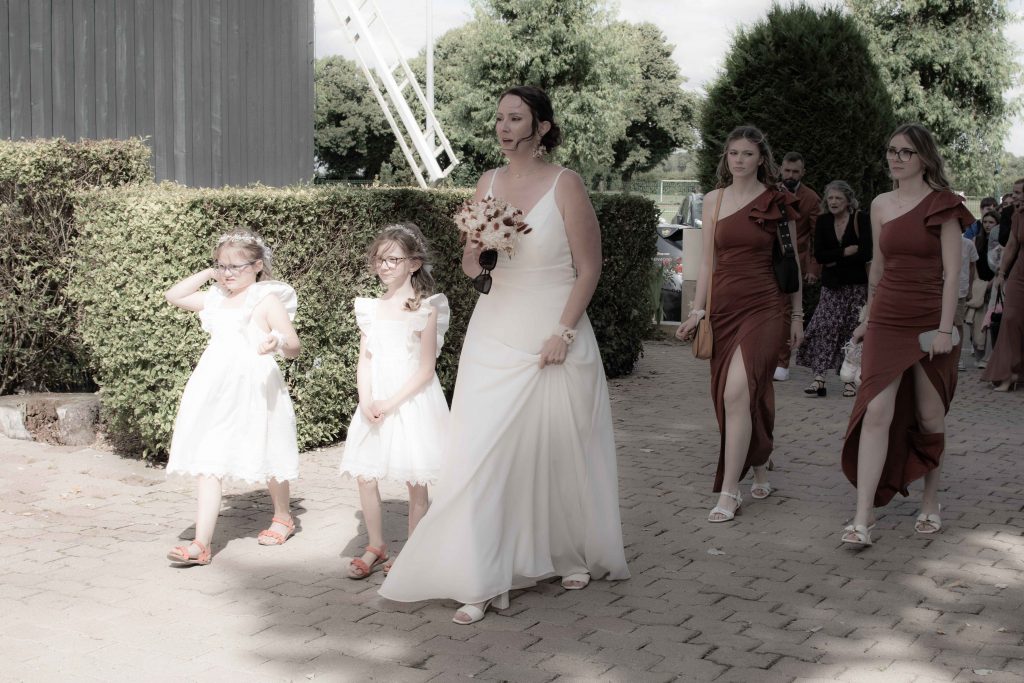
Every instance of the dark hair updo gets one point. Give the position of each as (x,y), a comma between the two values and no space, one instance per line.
(540,106)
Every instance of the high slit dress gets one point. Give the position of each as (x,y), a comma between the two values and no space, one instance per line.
(745,304)
(907,302)
(528,486)
(1008,354)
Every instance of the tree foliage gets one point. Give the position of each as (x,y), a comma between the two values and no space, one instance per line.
(805,77)
(663,116)
(350,134)
(947,64)
(617,93)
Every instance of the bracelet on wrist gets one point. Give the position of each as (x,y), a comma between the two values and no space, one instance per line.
(699,313)
(950,333)
(566,334)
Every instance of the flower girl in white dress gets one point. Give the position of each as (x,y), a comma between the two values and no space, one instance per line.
(398,429)
(236,419)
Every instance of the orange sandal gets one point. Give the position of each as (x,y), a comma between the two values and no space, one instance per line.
(271,537)
(357,569)
(180,554)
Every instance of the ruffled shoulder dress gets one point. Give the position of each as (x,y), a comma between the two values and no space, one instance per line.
(745,303)
(236,419)
(907,302)
(408,444)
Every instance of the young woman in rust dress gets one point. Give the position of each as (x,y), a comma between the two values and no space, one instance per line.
(896,432)
(1007,362)
(745,301)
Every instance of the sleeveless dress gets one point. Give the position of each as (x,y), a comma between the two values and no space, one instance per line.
(1008,355)
(528,488)
(745,305)
(907,302)
(407,445)
(236,419)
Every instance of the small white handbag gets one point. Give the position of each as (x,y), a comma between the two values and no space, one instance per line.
(850,370)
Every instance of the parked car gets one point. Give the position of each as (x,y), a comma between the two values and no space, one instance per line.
(691,211)
(670,260)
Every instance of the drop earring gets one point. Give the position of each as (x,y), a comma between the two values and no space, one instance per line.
(539,151)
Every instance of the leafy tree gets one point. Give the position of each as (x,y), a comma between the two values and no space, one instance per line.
(805,77)
(1010,170)
(351,137)
(663,116)
(948,64)
(616,92)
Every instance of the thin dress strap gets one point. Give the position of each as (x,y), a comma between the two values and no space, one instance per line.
(557,177)
(490,188)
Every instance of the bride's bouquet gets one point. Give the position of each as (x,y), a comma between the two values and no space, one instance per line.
(495,226)
(492,223)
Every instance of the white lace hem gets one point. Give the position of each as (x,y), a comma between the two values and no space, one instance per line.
(369,474)
(234,477)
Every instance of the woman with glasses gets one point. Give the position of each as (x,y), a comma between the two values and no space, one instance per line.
(842,245)
(896,433)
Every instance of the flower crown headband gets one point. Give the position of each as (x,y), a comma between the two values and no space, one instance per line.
(420,244)
(244,238)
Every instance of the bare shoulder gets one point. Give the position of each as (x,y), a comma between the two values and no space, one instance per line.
(712,196)
(569,187)
(485,181)
(883,201)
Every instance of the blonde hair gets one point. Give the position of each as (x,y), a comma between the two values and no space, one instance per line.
(409,237)
(250,244)
(767,171)
(926,148)
(840,186)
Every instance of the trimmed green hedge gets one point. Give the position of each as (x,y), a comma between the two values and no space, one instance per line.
(39,345)
(138,241)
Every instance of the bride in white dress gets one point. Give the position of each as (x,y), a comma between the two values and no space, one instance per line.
(528,489)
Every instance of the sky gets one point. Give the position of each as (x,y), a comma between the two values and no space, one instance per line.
(701,31)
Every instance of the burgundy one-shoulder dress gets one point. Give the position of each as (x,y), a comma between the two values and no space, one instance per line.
(745,303)
(1008,355)
(907,302)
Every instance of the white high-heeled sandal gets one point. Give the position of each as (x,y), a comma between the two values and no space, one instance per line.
(759,490)
(475,613)
(727,515)
(575,582)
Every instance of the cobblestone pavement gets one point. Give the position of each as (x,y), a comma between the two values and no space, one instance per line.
(87,595)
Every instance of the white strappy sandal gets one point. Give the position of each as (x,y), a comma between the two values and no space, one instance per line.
(928,524)
(575,582)
(726,515)
(475,613)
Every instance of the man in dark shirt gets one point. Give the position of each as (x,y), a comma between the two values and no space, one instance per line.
(808,206)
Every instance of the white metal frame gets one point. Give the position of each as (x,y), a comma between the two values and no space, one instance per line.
(423,155)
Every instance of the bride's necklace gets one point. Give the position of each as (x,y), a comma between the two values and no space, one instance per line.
(518,175)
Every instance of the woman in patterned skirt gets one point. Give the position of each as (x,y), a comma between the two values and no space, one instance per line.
(842,245)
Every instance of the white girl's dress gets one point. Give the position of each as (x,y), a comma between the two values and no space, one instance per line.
(528,488)
(236,419)
(407,445)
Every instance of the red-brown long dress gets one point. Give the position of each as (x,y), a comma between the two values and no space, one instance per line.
(745,304)
(1008,355)
(907,302)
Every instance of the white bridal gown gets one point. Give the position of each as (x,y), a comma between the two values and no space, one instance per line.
(528,488)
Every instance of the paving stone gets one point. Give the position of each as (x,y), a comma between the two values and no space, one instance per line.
(784,602)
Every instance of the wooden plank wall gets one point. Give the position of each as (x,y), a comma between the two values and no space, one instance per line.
(221,89)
